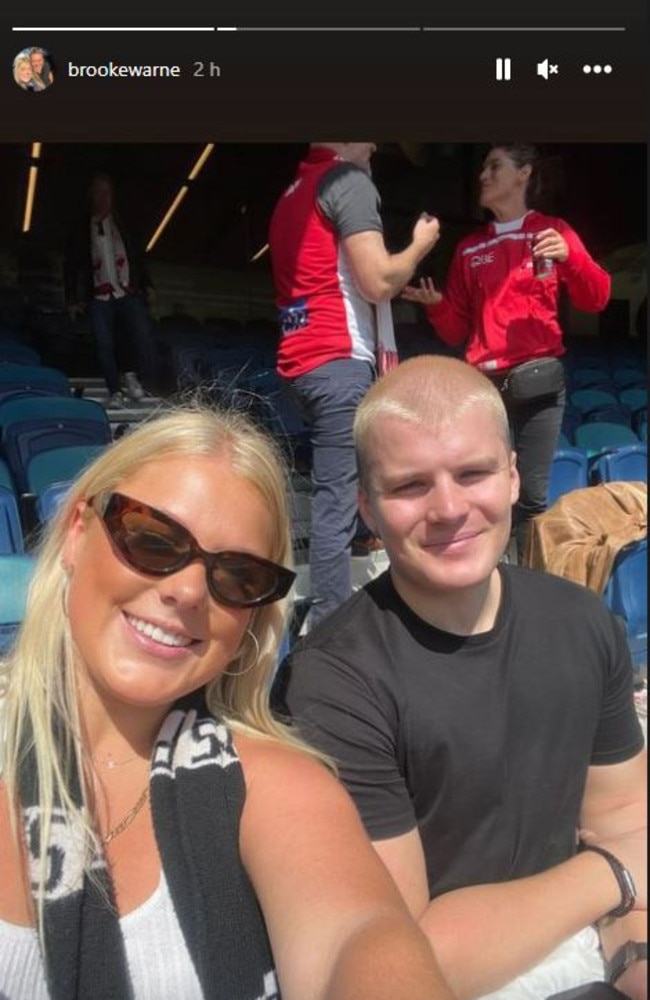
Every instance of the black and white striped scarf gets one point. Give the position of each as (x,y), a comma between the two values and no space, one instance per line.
(197,794)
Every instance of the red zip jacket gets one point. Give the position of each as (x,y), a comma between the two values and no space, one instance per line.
(494,302)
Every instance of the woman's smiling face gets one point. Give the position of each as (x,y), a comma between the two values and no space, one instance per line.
(144,640)
(24,71)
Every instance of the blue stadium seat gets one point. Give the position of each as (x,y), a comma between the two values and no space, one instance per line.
(571,418)
(32,379)
(613,413)
(591,399)
(59,465)
(6,479)
(629,378)
(568,472)
(598,437)
(15,574)
(591,378)
(18,353)
(635,399)
(626,464)
(33,424)
(11,533)
(49,501)
(627,596)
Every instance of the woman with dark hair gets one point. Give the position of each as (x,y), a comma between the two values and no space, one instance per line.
(41,67)
(501,301)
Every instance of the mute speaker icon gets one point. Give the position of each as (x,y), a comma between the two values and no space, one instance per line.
(547,69)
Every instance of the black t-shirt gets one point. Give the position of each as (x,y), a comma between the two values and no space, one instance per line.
(484,741)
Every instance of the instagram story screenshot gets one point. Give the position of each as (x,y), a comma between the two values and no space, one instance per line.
(323,500)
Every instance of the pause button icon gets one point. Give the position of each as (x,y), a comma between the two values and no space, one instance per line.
(503,67)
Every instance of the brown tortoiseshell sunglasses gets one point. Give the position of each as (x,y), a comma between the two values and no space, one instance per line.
(155,544)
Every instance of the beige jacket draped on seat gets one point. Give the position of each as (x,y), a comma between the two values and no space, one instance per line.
(581,534)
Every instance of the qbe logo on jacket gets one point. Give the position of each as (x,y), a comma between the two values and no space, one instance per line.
(477,259)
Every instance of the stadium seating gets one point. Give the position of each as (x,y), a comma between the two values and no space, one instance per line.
(598,437)
(6,479)
(49,500)
(590,378)
(32,379)
(626,464)
(15,352)
(613,413)
(568,472)
(627,596)
(571,418)
(59,465)
(11,534)
(33,424)
(585,400)
(634,398)
(629,378)
(15,574)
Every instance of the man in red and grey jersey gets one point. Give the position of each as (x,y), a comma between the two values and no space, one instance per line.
(334,279)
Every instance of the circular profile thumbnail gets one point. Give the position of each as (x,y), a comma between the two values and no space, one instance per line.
(33,69)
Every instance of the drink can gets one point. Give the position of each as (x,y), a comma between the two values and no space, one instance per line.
(542,267)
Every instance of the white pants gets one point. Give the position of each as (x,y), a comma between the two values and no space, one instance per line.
(577,961)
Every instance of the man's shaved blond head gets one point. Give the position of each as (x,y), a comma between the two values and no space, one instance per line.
(429,390)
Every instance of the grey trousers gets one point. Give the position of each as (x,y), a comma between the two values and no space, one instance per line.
(328,397)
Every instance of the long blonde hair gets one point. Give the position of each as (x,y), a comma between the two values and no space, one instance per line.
(21,59)
(37,680)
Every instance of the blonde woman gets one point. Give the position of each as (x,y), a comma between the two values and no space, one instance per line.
(24,75)
(160,835)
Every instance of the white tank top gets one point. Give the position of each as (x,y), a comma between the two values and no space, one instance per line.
(159,963)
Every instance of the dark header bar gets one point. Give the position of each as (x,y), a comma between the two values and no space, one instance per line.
(197,13)
(423,71)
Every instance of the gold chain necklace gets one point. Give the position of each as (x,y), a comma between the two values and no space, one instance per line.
(128,819)
(109,762)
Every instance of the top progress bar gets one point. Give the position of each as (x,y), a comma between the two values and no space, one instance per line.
(305,28)
(67,28)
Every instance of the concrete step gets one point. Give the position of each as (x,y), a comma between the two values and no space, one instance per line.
(94,382)
(94,387)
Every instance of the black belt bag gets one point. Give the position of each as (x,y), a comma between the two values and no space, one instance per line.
(533,380)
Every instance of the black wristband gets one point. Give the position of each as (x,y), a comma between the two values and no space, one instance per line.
(622,876)
(623,958)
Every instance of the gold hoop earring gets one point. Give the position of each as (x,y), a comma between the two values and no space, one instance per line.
(240,673)
(65,589)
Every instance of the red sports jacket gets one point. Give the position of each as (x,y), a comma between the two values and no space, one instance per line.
(495,304)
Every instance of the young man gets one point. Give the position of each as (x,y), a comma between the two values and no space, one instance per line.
(481,714)
(334,279)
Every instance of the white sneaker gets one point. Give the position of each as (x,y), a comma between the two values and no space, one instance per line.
(119,401)
(132,387)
